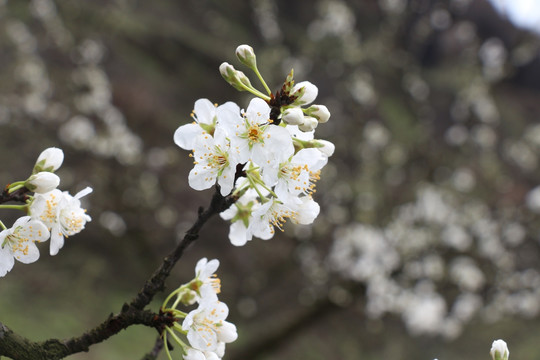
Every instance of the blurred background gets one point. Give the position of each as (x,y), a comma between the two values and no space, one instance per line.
(427,245)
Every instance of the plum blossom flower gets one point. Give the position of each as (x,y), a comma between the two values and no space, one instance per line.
(274,213)
(18,242)
(213,161)
(298,175)
(253,137)
(205,116)
(205,276)
(271,214)
(61,213)
(49,160)
(206,326)
(240,214)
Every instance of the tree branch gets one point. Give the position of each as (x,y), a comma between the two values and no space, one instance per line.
(17,347)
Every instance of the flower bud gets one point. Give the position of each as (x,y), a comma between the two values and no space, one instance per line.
(499,350)
(49,160)
(246,55)
(319,112)
(326,147)
(293,116)
(310,123)
(305,93)
(236,78)
(42,182)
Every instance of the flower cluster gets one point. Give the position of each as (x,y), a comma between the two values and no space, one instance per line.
(266,155)
(205,327)
(51,213)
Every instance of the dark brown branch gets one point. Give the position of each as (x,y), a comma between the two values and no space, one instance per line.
(19,195)
(16,347)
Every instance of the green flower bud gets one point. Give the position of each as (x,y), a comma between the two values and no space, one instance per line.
(246,55)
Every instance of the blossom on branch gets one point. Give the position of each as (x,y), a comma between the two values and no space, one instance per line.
(61,213)
(18,243)
(206,326)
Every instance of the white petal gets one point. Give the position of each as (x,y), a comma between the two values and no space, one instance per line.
(87,190)
(302,135)
(258,111)
(279,143)
(34,230)
(205,111)
(238,233)
(312,157)
(185,135)
(194,354)
(202,339)
(57,240)
(229,107)
(208,269)
(226,180)
(6,261)
(201,179)
(229,213)
(28,254)
(307,211)
(227,332)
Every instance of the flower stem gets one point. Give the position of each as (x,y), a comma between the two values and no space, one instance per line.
(16,207)
(256,70)
(15,186)
(255,92)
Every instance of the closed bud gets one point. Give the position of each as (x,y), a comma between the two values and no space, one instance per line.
(310,123)
(293,116)
(499,350)
(319,112)
(326,147)
(49,160)
(305,93)
(246,55)
(42,182)
(236,78)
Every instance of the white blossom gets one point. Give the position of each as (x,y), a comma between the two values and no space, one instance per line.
(18,242)
(240,214)
(254,137)
(205,117)
(206,326)
(213,161)
(205,276)
(298,175)
(61,213)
